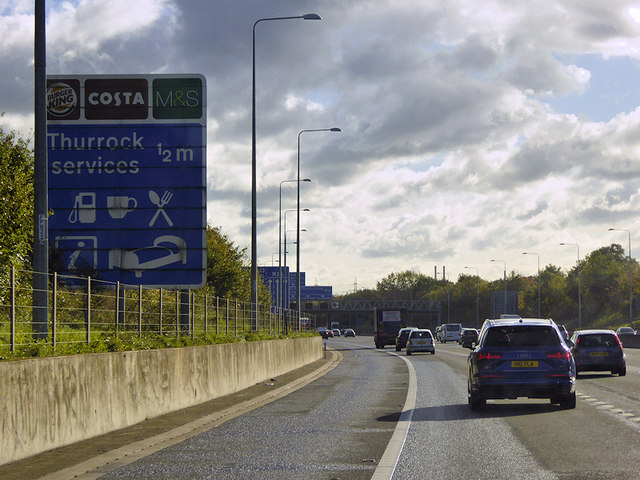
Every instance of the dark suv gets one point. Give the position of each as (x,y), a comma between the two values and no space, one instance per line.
(521,358)
(598,350)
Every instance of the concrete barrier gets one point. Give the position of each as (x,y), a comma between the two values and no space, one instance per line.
(629,341)
(50,402)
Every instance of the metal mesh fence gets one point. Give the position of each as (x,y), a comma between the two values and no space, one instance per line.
(84,310)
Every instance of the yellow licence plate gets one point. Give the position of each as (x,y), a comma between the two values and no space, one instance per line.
(524,364)
(598,354)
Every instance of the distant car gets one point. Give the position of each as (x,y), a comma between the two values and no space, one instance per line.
(598,350)
(401,338)
(468,336)
(325,333)
(420,340)
(521,358)
(451,332)
(438,334)
(336,332)
(625,331)
(349,332)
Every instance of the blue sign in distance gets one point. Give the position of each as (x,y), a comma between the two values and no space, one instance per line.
(128,199)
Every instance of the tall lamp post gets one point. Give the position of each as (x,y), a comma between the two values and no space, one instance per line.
(285,288)
(279,302)
(630,275)
(477,297)
(505,283)
(531,253)
(333,129)
(579,286)
(254,230)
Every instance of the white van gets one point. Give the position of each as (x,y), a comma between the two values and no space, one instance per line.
(451,332)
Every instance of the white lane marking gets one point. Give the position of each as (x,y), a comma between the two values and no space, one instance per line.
(387,464)
(391,455)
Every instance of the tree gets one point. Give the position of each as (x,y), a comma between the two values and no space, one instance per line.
(405,285)
(604,278)
(16,201)
(227,273)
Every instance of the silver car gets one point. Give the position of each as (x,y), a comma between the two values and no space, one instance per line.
(420,340)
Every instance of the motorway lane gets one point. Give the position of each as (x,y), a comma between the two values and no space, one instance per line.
(520,439)
(336,427)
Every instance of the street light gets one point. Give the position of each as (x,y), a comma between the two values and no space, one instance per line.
(279,301)
(333,129)
(630,275)
(254,236)
(477,297)
(530,253)
(579,286)
(285,289)
(505,283)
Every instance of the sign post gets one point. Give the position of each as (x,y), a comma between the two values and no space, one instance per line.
(127,178)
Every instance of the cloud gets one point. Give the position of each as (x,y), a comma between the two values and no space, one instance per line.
(453,148)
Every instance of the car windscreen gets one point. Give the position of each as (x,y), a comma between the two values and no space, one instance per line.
(597,340)
(418,334)
(518,336)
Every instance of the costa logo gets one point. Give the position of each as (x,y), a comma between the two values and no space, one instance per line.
(116,98)
(62,99)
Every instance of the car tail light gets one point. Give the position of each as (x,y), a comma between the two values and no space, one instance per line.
(489,356)
(619,342)
(561,355)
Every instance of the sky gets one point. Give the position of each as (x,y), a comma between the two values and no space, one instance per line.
(472,130)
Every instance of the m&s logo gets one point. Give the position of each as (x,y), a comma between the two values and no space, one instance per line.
(178,98)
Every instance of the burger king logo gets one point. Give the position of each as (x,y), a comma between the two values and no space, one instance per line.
(62,99)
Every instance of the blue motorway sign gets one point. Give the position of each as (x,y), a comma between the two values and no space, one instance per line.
(128,197)
(316,292)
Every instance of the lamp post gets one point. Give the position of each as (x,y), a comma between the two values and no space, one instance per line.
(477,297)
(531,253)
(279,302)
(333,129)
(254,243)
(630,275)
(285,288)
(505,283)
(579,286)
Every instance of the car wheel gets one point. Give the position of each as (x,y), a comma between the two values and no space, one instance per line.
(568,401)
(408,352)
(398,348)
(476,401)
(555,400)
(433,352)
(623,371)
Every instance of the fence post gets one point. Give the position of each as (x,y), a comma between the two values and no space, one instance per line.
(192,312)
(235,333)
(140,311)
(88,310)
(160,313)
(217,314)
(177,313)
(13,309)
(54,307)
(117,305)
(206,312)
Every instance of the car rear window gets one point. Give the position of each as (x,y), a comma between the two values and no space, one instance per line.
(521,336)
(453,328)
(597,340)
(418,334)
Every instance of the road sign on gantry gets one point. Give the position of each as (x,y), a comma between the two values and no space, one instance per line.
(127,178)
